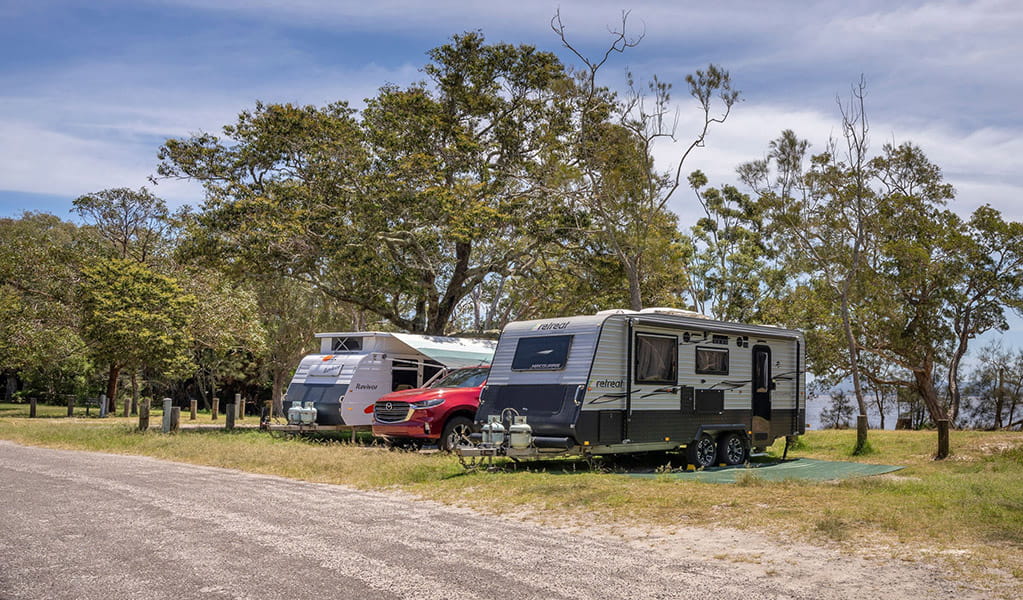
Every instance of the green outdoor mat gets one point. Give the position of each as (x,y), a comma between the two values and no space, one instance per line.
(799,468)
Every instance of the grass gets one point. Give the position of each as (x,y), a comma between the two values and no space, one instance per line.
(969,506)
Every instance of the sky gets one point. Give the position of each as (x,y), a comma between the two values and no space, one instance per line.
(90,90)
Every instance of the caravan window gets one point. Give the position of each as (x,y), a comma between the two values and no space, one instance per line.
(346,344)
(541,353)
(300,392)
(656,358)
(711,361)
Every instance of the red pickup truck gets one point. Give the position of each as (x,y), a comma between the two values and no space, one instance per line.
(444,411)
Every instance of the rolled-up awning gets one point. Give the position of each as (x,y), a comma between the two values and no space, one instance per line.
(450,351)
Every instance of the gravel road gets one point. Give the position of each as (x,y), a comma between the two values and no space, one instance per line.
(78,525)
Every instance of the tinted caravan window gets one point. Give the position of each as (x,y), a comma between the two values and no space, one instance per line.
(542,353)
(656,358)
(711,361)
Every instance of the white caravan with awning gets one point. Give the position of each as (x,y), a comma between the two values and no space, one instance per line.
(353,369)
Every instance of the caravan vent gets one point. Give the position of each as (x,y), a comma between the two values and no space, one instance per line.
(719,339)
(615,311)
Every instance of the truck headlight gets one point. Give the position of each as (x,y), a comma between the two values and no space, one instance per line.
(427,403)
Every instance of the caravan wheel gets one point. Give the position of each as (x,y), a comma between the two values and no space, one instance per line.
(702,452)
(732,449)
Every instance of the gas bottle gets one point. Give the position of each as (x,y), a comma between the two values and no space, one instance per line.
(295,413)
(309,413)
(493,431)
(520,435)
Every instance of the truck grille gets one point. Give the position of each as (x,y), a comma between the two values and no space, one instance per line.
(392,412)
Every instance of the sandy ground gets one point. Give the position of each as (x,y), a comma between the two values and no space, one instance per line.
(85,525)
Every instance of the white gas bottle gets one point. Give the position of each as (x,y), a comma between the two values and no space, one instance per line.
(295,413)
(309,413)
(493,431)
(520,435)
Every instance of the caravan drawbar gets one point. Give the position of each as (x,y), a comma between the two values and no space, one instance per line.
(627,381)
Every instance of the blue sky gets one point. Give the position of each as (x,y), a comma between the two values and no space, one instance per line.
(89,91)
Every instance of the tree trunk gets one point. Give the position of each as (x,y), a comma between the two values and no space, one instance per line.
(854,370)
(954,393)
(277,395)
(134,408)
(925,385)
(635,293)
(112,377)
(999,399)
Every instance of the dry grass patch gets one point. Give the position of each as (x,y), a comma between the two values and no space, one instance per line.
(967,512)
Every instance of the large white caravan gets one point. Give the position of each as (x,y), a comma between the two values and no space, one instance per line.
(625,381)
(353,369)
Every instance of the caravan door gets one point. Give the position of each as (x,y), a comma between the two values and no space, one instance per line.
(762,386)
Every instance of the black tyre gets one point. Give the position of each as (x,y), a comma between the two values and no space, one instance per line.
(733,449)
(702,452)
(456,431)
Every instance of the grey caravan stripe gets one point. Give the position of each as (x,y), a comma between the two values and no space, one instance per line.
(593,361)
(705,325)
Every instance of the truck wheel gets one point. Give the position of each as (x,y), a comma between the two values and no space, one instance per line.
(732,449)
(702,452)
(456,431)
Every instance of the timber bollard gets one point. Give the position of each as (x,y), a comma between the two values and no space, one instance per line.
(215,407)
(166,415)
(942,439)
(175,420)
(240,403)
(71,406)
(31,408)
(194,405)
(102,406)
(229,416)
(144,414)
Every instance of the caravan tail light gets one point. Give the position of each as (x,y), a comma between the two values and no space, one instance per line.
(368,410)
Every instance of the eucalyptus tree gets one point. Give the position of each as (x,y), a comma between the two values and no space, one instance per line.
(989,252)
(403,209)
(622,192)
(827,213)
(733,269)
(133,222)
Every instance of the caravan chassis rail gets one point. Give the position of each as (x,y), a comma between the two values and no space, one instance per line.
(533,452)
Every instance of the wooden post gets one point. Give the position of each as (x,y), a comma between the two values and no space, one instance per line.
(175,420)
(215,407)
(127,408)
(71,406)
(229,416)
(942,439)
(194,406)
(144,414)
(102,406)
(166,415)
(31,408)
(240,403)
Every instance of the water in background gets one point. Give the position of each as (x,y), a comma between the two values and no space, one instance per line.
(816,404)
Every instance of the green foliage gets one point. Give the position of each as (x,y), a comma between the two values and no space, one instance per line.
(733,269)
(39,322)
(133,316)
(404,210)
(132,222)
